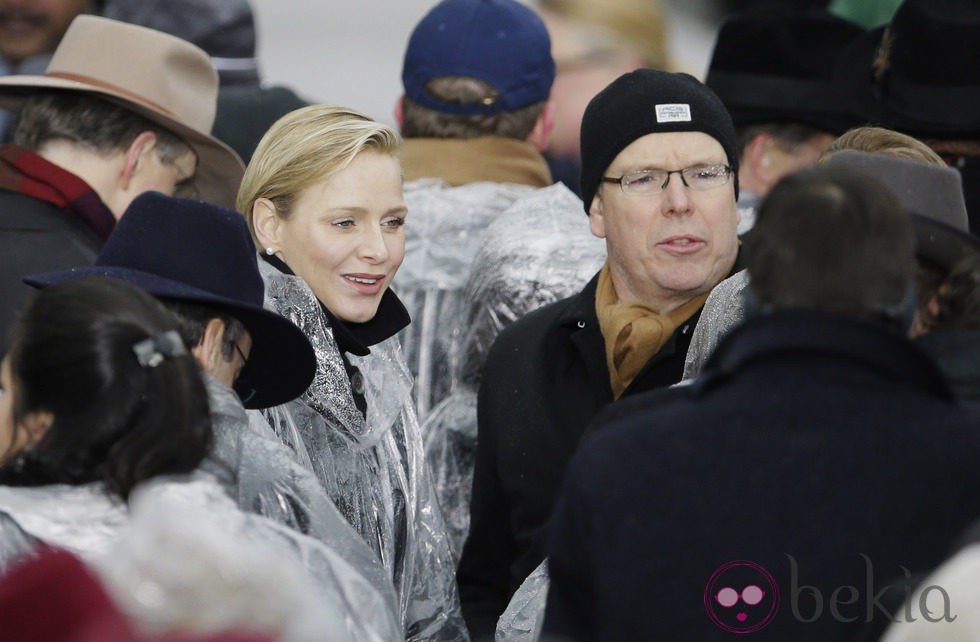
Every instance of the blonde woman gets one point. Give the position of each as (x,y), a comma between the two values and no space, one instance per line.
(323,199)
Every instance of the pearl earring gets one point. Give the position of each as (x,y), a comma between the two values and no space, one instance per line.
(270,251)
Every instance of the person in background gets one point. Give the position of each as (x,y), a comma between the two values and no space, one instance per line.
(593,44)
(225,29)
(475,116)
(917,75)
(323,199)
(773,67)
(30,30)
(120,110)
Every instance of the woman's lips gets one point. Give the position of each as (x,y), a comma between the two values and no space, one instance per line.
(366,284)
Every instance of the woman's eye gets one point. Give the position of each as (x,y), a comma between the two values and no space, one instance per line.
(393,222)
(344,223)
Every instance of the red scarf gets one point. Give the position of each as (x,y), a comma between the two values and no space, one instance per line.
(27,173)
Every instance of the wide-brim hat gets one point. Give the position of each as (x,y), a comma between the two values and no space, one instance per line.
(165,79)
(197,252)
(933,194)
(777,64)
(930,82)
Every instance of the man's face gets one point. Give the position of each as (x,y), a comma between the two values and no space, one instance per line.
(31,27)
(670,246)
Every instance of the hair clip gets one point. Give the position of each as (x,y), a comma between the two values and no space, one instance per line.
(151,352)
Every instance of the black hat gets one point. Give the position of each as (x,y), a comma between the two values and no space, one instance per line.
(225,29)
(195,252)
(930,83)
(776,64)
(932,193)
(649,101)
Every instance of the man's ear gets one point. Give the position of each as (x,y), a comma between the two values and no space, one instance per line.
(136,156)
(265,221)
(597,222)
(400,112)
(758,162)
(207,352)
(540,136)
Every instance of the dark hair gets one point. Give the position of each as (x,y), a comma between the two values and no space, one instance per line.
(84,119)
(833,240)
(958,297)
(193,318)
(419,121)
(114,420)
(788,136)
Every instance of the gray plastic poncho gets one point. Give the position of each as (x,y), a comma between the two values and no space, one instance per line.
(538,251)
(723,310)
(183,556)
(372,468)
(263,477)
(444,231)
(523,618)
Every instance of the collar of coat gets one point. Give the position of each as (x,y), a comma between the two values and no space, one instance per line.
(862,344)
(492,159)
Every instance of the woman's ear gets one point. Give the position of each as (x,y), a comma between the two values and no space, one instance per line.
(33,428)
(265,220)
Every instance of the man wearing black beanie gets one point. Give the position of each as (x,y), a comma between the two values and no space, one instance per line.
(659,183)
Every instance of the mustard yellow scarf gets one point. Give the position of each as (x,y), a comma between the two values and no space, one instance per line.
(633,332)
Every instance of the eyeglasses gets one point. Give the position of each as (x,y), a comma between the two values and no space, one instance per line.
(751,595)
(654,181)
(246,392)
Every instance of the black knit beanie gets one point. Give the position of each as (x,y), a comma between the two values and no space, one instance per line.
(649,101)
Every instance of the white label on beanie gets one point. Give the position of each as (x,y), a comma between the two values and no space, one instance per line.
(675,113)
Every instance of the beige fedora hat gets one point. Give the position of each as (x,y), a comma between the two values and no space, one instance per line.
(161,77)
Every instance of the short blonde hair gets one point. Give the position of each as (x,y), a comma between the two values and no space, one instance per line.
(305,146)
(881,140)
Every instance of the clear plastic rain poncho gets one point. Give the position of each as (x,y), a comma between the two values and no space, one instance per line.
(538,251)
(523,618)
(373,469)
(444,230)
(723,310)
(263,477)
(183,556)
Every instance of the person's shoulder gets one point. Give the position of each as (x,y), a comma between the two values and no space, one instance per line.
(531,328)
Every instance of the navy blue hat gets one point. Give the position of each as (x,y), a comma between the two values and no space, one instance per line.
(649,101)
(501,42)
(196,252)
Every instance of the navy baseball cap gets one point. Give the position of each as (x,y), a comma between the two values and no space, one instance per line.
(501,42)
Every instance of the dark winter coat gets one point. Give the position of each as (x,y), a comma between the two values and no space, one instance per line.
(545,378)
(825,451)
(36,236)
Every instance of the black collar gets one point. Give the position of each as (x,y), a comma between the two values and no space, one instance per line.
(809,332)
(357,338)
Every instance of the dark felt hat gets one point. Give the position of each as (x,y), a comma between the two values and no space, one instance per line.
(929,84)
(932,193)
(196,252)
(776,64)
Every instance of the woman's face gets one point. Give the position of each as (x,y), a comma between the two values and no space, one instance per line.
(345,236)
